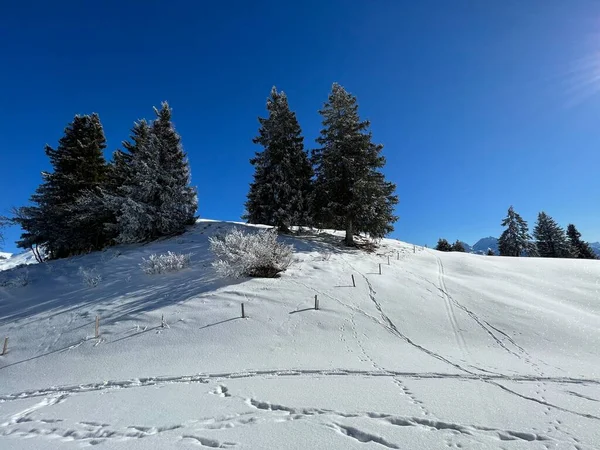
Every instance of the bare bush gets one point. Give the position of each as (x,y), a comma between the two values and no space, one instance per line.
(167,262)
(253,254)
(90,277)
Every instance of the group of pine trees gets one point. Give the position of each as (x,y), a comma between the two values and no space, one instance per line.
(444,246)
(549,240)
(340,185)
(86,203)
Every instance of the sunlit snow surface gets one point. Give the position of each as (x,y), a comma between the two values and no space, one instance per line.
(442,350)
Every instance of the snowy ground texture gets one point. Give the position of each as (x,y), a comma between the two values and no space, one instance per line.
(442,350)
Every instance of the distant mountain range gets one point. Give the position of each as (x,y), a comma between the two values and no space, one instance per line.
(482,245)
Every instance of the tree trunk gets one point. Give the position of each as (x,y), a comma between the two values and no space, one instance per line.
(349,233)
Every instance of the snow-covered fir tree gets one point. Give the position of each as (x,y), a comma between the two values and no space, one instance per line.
(151,194)
(515,240)
(280,192)
(132,188)
(578,248)
(350,190)
(57,220)
(177,202)
(550,238)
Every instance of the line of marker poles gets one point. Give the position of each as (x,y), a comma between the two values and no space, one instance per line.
(162,321)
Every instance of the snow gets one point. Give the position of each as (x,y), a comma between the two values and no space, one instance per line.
(442,350)
(11,261)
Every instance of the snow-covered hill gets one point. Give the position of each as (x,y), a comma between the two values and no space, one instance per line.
(442,350)
(11,261)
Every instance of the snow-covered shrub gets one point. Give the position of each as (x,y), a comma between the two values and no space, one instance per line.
(90,277)
(253,254)
(19,280)
(167,262)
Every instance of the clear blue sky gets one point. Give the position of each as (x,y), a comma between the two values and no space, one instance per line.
(479,104)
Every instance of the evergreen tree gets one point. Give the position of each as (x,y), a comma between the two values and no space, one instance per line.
(443,245)
(515,240)
(177,201)
(150,195)
(350,190)
(280,192)
(551,241)
(490,252)
(57,220)
(133,187)
(458,247)
(579,249)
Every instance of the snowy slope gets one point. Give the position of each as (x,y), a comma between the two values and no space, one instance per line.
(11,261)
(442,350)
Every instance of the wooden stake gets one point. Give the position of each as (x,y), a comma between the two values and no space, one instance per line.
(316,302)
(5,349)
(162,321)
(379,268)
(414,248)
(398,256)
(97,327)
(388,260)
(353,283)
(243,312)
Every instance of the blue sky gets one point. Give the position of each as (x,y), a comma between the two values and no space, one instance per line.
(480,105)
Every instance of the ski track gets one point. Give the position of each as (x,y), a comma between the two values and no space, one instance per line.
(460,340)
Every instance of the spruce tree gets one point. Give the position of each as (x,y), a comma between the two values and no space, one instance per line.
(58,221)
(132,188)
(150,195)
(551,241)
(579,249)
(443,245)
(350,190)
(458,247)
(280,192)
(490,252)
(515,240)
(177,201)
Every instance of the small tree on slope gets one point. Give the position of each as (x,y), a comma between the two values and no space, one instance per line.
(515,240)
(350,190)
(279,194)
(551,241)
(579,249)
(56,220)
